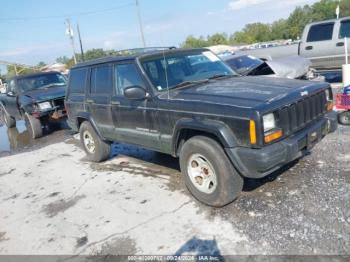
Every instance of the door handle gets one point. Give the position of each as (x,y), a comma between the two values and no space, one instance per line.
(340,44)
(115,103)
(90,101)
(310,47)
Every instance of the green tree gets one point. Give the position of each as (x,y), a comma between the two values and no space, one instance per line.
(217,39)
(193,42)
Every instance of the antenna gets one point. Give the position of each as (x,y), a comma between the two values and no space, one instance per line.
(140,23)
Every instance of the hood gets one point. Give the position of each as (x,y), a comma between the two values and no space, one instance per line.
(247,91)
(41,95)
(290,67)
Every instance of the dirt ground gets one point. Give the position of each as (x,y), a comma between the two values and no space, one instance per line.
(53,201)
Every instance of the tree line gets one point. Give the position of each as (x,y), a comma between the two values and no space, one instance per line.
(289,28)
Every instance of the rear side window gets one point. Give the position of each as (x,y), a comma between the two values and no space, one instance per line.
(125,76)
(321,32)
(344,29)
(101,80)
(77,81)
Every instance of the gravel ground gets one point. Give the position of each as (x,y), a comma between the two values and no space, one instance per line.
(54,202)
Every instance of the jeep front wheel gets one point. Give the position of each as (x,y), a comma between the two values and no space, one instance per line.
(209,174)
(34,126)
(95,148)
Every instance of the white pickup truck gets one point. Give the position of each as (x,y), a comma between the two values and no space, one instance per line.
(322,43)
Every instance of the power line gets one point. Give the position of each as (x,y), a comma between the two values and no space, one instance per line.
(65,15)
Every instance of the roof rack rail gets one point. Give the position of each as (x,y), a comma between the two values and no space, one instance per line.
(141,50)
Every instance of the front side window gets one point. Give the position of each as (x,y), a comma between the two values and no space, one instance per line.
(344,29)
(41,82)
(321,32)
(170,70)
(101,80)
(126,75)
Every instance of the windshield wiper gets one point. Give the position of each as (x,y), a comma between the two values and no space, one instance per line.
(51,85)
(188,83)
(220,76)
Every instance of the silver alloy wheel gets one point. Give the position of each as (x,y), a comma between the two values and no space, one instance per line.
(89,142)
(202,174)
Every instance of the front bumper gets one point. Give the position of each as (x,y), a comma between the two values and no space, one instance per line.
(257,163)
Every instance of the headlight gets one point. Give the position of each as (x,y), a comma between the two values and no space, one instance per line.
(44,105)
(269,122)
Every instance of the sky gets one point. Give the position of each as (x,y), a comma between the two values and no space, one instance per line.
(34,30)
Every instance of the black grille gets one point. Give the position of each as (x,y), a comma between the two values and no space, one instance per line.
(297,115)
(59,103)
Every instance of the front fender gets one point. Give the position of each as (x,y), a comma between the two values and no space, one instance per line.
(216,128)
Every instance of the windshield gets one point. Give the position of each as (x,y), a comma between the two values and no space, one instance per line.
(41,82)
(243,64)
(172,70)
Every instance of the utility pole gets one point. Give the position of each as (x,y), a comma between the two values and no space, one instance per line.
(140,23)
(337,11)
(69,32)
(81,44)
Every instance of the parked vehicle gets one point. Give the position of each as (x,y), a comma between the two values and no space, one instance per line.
(190,104)
(342,105)
(37,98)
(321,42)
(295,67)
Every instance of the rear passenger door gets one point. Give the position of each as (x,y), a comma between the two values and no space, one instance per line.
(99,97)
(134,120)
(344,31)
(319,46)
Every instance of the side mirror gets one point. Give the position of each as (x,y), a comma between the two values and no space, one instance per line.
(135,93)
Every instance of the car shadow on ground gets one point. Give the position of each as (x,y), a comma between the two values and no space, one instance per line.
(170,162)
(251,184)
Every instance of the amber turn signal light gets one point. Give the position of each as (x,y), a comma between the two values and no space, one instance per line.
(273,136)
(252,132)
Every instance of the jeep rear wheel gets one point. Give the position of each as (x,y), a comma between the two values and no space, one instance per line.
(209,174)
(9,121)
(34,126)
(344,118)
(95,148)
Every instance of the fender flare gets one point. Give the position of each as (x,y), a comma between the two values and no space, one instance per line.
(88,118)
(216,128)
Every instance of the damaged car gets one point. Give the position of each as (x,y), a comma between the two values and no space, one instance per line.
(294,67)
(36,98)
(188,103)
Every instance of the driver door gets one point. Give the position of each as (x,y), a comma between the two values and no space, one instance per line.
(134,120)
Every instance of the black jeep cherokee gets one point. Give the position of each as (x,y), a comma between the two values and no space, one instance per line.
(189,104)
(37,98)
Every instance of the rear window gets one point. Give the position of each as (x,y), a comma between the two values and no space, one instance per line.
(321,32)
(101,80)
(344,29)
(77,81)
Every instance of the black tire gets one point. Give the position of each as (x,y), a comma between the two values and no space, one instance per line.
(8,120)
(102,149)
(344,118)
(34,126)
(229,183)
